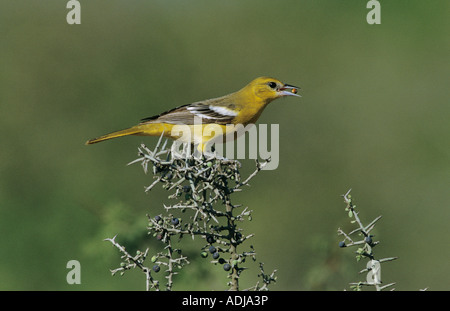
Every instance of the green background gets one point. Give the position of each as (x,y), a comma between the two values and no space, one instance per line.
(374,117)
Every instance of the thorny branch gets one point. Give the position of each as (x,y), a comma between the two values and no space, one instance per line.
(202,188)
(366,245)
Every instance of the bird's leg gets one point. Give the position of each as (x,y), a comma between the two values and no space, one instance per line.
(180,154)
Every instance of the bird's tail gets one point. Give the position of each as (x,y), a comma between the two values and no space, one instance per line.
(135,130)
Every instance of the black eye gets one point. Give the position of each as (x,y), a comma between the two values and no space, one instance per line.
(272,85)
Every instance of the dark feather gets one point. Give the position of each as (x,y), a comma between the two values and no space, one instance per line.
(186,114)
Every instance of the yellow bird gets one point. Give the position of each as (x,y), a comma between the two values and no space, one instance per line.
(241,107)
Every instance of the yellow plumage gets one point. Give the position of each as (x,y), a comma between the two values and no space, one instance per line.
(241,107)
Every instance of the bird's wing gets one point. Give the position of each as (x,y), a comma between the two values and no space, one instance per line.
(207,111)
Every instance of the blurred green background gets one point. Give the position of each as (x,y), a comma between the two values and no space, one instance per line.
(374,117)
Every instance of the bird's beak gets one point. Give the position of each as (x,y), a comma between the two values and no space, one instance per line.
(289,90)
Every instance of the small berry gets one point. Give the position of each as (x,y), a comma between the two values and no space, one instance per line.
(216,255)
(368,239)
(212,249)
(210,239)
(204,254)
(227,267)
(156,268)
(157,218)
(342,244)
(186,189)
(175,221)
(221,261)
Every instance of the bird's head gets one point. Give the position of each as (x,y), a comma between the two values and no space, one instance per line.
(269,89)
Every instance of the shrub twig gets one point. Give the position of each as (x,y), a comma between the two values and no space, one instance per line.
(365,247)
(202,188)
